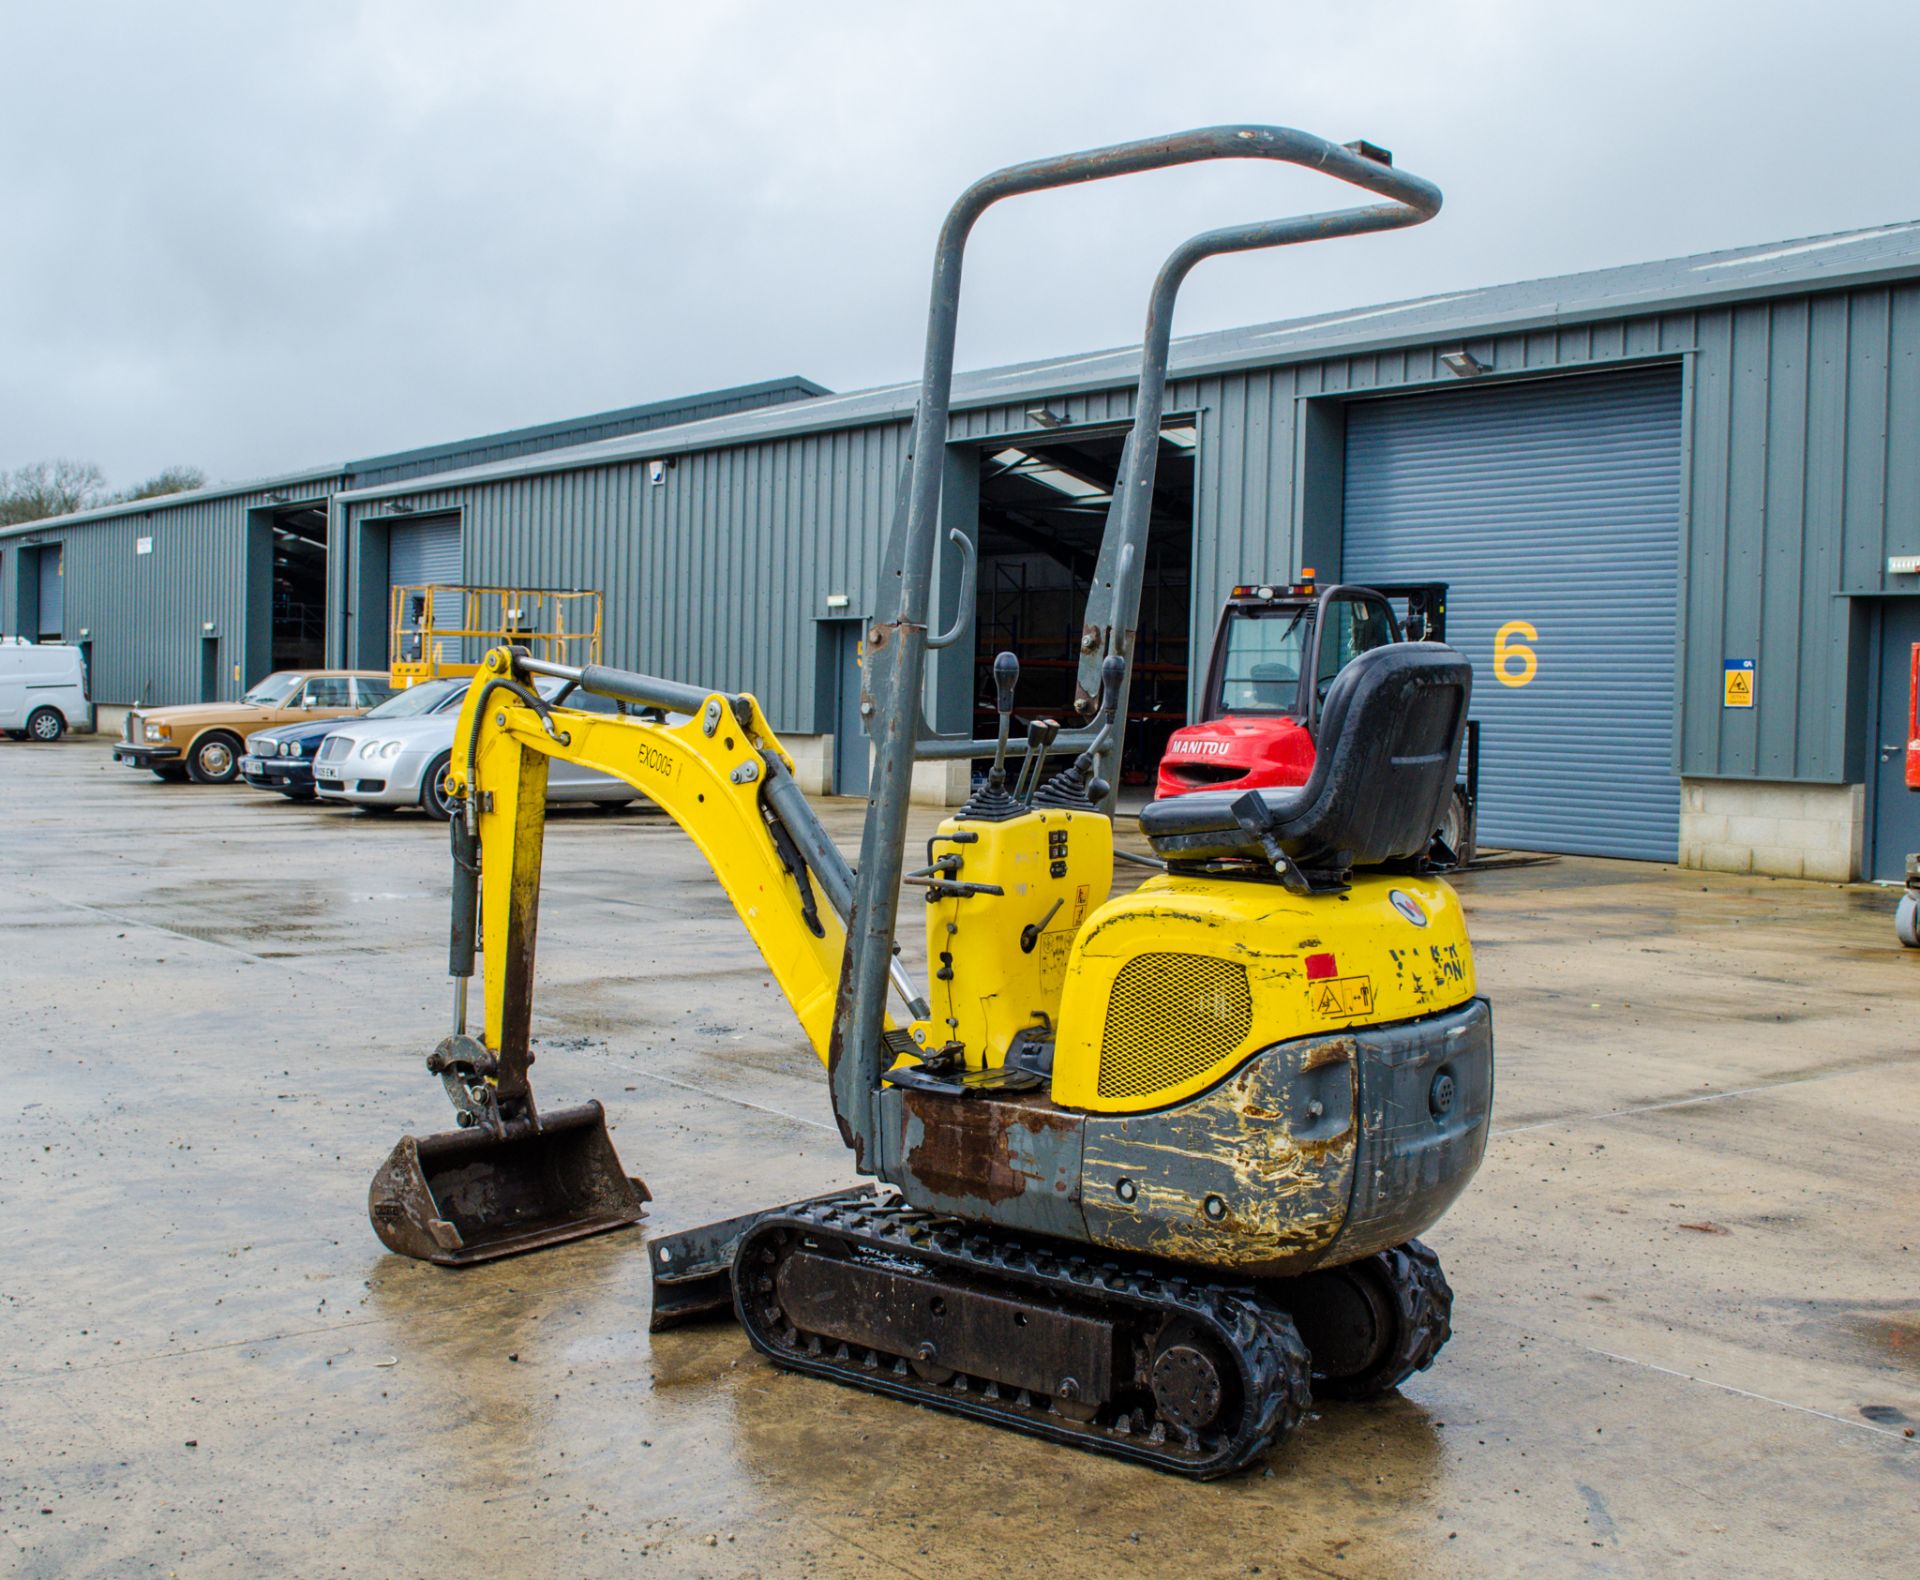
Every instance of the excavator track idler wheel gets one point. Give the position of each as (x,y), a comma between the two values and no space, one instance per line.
(1085,1348)
(1371,1324)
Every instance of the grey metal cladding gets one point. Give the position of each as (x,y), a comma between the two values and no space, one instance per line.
(291,485)
(1801,387)
(147,614)
(715,576)
(404,464)
(1804,478)
(1557,504)
(1797,484)
(1521,310)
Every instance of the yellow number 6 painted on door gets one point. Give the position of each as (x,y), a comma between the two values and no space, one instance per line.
(1514,663)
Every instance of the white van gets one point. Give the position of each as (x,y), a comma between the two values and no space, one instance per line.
(43,690)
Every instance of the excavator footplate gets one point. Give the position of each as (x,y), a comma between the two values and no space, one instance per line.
(466,1196)
(1109,1354)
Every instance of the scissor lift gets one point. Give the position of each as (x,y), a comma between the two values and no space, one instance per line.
(440,629)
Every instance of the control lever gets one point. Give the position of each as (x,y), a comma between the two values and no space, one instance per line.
(1030,934)
(1006,675)
(1077,787)
(1040,736)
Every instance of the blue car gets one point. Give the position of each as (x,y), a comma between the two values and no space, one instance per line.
(282,758)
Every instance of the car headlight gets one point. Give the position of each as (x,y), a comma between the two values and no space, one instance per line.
(158,732)
(289,748)
(391,749)
(370,748)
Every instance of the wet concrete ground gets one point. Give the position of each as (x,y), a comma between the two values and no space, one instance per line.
(1688,1275)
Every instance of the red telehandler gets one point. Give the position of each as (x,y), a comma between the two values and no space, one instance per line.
(1275,655)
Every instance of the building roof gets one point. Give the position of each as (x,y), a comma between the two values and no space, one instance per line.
(795,386)
(191,496)
(1818,263)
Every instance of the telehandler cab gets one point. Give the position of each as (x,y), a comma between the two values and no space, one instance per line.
(1150,1166)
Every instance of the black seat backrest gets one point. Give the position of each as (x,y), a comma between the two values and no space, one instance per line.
(1386,757)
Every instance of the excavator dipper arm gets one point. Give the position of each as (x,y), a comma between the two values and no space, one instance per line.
(513,1178)
(721,775)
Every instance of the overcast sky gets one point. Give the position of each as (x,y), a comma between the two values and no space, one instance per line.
(256,236)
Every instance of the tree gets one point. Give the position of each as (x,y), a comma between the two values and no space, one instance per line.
(49,488)
(58,488)
(174,480)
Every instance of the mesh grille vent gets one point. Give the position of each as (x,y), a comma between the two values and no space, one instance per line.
(1171,1017)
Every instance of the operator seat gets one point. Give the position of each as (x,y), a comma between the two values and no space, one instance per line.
(1388,749)
(1272,686)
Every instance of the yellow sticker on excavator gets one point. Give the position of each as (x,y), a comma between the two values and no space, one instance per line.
(1341,998)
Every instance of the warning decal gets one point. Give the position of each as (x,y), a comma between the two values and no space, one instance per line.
(1054,949)
(1340,998)
(1739,683)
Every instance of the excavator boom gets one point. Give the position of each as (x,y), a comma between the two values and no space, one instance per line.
(711,772)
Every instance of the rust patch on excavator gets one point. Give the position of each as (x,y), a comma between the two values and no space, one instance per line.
(1336,1050)
(966,1147)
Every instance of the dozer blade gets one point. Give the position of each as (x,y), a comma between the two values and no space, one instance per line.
(466,1196)
(693,1270)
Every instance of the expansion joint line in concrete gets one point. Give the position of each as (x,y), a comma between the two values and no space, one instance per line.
(1898,1434)
(1703,1097)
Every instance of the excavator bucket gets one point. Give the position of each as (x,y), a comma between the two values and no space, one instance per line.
(466,1196)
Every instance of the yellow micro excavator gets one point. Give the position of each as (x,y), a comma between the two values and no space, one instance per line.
(1150,1167)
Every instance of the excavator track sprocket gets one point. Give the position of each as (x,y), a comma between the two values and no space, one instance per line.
(1104,1353)
(1373,1323)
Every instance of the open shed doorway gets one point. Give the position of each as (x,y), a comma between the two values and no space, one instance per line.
(1043,505)
(299,638)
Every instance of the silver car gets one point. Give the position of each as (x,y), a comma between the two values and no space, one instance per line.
(400,758)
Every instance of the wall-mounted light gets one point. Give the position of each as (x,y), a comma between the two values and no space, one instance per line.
(207,625)
(1903,564)
(837,600)
(1045,417)
(85,631)
(1463,364)
(656,471)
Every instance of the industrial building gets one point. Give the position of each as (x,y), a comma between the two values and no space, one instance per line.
(194,596)
(1677,505)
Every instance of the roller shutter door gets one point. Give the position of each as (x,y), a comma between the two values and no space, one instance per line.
(53,594)
(1553,506)
(421,553)
(424,551)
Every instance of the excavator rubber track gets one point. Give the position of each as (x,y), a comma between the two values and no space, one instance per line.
(1080,1347)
